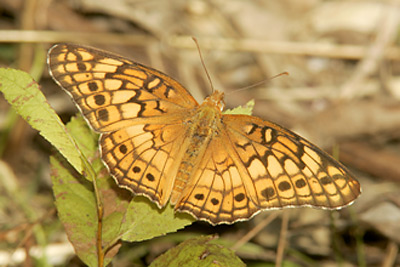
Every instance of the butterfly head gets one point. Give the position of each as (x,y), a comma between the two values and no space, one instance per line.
(216,99)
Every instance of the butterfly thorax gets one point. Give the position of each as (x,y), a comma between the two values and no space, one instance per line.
(202,127)
(216,99)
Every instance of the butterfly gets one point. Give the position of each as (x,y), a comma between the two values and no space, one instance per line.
(157,141)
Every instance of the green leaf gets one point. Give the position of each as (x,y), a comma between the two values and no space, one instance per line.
(199,251)
(246,110)
(76,206)
(153,222)
(75,199)
(24,95)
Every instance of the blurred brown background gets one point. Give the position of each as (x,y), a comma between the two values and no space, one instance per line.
(342,93)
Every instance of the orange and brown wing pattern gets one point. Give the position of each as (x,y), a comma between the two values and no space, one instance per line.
(144,158)
(113,92)
(218,192)
(254,165)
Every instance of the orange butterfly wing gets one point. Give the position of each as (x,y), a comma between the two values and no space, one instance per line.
(113,92)
(129,104)
(254,165)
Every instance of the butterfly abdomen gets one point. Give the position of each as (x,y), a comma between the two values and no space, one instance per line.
(201,129)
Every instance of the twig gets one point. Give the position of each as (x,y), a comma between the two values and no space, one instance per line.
(221,44)
(282,238)
(254,231)
(391,254)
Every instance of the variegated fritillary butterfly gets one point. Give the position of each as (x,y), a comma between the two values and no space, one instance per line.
(157,141)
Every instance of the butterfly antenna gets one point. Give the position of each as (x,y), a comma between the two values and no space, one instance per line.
(260,82)
(202,63)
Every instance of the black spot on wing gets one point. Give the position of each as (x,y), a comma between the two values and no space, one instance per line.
(214,201)
(81,66)
(284,186)
(240,197)
(123,149)
(199,196)
(268,192)
(300,183)
(93,86)
(99,100)
(150,177)
(103,114)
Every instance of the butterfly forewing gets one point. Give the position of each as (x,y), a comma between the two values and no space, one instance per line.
(286,169)
(158,142)
(113,92)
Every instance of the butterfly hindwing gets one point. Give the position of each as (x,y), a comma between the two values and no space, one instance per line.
(142,158)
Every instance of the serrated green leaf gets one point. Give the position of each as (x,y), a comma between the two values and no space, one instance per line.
(153,222)
(76,206)
(199,251)
(245,110)
(75,199)
(23,93)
